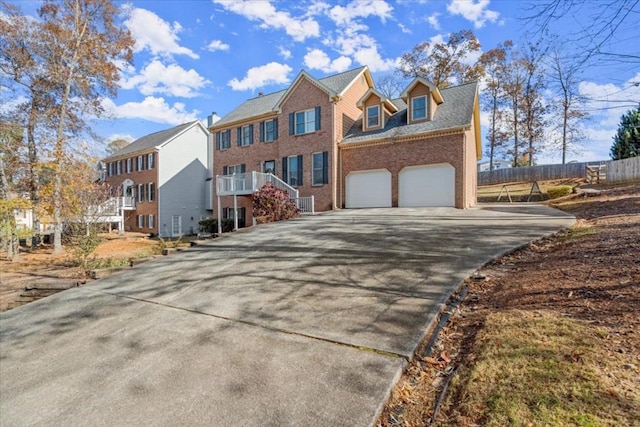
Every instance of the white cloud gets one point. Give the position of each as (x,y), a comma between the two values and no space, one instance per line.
(217,45)
(473,10)
(271,73)
(152,109)
(371,57)
(263,11)
(284,53)
(153,33)
(173,80)
(433,21)
(319,60)
(360,9)
(404,29)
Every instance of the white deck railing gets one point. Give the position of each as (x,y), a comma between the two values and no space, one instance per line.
(305,204)
(248,182)
(112,206)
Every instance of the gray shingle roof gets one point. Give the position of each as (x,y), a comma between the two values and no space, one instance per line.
(455,111)
(152,140)
(266,103)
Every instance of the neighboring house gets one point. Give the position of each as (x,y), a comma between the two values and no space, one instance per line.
(341,141)
(497,164)
(160,180)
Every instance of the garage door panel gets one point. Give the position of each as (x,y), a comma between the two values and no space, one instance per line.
(427,186)
(369,189)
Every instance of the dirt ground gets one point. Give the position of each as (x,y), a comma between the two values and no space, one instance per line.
(40,266)
(590,273)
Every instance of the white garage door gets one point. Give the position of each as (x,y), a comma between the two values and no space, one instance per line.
(427,185)
(369,189)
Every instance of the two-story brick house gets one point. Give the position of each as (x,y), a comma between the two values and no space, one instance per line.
(340,140)
(162,180)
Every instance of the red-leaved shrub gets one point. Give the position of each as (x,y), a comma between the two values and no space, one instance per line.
(271,204)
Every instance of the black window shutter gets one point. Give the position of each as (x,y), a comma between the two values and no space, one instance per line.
(239,136)
(242,168)
(292,124)
(225,170)
(261,131)
(275,129)
(317,118)
(250,134)
(325,167)
(218,139)
(300,170)
(285,175)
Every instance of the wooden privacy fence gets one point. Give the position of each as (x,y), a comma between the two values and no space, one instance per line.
(623,170)
(611,171)
(535,173)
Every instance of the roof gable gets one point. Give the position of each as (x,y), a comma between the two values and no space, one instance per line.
(391,107)
(433,89)
(265,105)
(156,140)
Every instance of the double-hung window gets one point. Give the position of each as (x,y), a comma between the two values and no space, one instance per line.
(151,191)
(292,170)
(129,165)
(110,167)
(140,163)
(140,221)
(245,135)
(419,108)
(151,160)
(223,140)
(320,163)
(373,116)
(119,167)
(233,170)
(140,193)
(151,221)
(306,121)
(269,130)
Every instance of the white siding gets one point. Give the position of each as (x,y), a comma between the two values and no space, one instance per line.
(182,174)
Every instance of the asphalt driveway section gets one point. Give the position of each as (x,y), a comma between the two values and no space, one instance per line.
(305,322)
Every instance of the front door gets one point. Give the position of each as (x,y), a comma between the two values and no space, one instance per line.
(176,225)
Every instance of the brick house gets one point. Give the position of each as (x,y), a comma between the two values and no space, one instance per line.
(341,141)
(160,180)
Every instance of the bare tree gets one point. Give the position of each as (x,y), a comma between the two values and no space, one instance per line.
(532,105)
(390,86)
(494,63)
(564,76)
(603,20)
(443,63)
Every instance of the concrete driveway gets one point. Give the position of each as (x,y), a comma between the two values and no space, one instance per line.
(307,322)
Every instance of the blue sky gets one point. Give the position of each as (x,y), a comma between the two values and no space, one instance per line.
(195,57)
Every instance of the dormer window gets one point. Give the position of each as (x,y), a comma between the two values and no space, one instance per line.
(419,108)
(373,116)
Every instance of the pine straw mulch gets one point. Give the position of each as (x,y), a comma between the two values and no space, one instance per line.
(589,273)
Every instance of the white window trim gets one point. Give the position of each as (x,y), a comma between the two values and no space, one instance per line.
(289,174)
(225,140)
(273,130)
(426,108)
(151,196)
(245,140)
(309,125)
(140,221)
(151,221)
(369,115)
(313,169)
(140,163)
(151,161)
